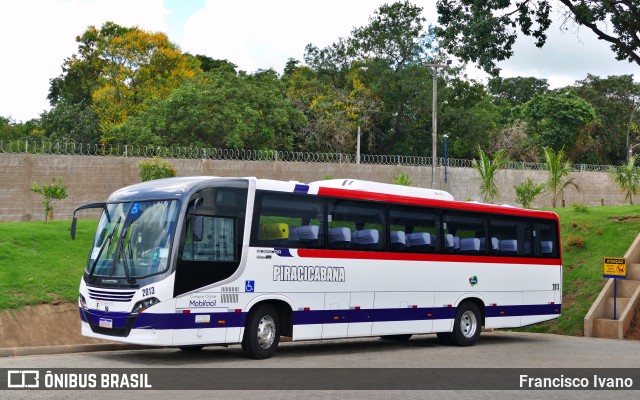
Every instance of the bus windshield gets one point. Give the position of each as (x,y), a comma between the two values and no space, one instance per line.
(133,239)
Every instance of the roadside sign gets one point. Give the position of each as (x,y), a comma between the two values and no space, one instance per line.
(615,268)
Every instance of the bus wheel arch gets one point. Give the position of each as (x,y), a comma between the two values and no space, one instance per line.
(266,322)
(468,322)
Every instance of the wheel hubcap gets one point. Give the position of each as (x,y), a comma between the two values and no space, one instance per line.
(468,324)
(266,332)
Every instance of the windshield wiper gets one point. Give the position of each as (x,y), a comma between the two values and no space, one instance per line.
(108,239)
(120,250)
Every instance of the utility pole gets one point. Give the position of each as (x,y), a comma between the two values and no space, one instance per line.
(434,119)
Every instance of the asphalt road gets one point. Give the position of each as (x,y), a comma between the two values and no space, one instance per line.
(502,351)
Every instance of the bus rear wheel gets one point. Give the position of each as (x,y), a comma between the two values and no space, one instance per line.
(262,332)
(467,325)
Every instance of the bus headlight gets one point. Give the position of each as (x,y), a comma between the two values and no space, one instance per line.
(144,304)
(83,302)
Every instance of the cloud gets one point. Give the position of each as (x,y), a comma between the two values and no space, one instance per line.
(264,34)
(38,35)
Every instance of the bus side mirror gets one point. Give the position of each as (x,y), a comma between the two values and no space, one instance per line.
(198,228)
(74,222)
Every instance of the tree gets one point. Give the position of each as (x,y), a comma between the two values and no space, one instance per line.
(389,52)
(527,191)
(559,168)
(627,176)
(484,31)
(615,100)
(561,120)
(218,109)
(115,70)
(487,169)
(55,191)
(155,169)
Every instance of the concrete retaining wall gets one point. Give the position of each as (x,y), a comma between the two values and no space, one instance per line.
(92,179)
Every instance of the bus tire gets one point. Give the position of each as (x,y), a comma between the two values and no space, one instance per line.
(262,332)
(397,338)
(467,325)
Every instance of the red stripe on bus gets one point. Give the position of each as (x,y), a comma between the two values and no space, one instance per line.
(445,204)
(390,256)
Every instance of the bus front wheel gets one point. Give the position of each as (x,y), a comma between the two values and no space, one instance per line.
(467,326)
(262,332)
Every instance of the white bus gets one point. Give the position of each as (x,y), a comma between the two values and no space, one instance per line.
(197,261)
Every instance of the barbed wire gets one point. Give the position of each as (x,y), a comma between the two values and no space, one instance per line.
(102,150)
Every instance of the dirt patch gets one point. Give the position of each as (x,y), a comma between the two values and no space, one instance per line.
(634,330)
(43,325)
(626,219)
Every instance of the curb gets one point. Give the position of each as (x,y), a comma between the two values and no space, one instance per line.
(69,348)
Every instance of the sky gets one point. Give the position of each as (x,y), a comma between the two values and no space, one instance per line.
(36,36)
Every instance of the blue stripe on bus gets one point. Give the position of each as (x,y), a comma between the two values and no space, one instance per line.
(301,189)
(310,317)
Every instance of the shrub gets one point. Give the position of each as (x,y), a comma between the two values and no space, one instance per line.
(55,191)
(581,208)
(155,169)
(575,241)
(402,179)
(527,191)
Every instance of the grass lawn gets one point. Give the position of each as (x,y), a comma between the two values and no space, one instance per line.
(587,237)
(39,263)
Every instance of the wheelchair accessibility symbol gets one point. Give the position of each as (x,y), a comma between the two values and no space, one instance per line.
(249,286)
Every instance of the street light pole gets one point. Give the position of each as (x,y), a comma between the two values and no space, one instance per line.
(434,119)
(445,158)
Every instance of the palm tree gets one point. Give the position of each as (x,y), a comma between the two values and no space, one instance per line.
(559,168)
(487,169)
(627,177)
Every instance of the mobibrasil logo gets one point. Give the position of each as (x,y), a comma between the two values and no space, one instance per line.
(473,280)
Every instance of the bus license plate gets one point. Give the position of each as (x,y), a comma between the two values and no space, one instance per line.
(106,323)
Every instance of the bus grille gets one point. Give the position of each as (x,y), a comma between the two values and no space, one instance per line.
(111,295)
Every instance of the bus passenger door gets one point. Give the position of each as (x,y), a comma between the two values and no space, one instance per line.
(336,315)
(360,311)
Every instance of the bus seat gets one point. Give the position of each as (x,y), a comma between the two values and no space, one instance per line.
(456,243)
(294,237)
(398,241)
(419,241)
(340,238)
(367,238)
(449,243)
(509,247)
(470,245)
(547,247)
(303,236)
(495,244)
(274,234)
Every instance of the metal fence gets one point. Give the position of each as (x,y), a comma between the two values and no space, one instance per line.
(71,148)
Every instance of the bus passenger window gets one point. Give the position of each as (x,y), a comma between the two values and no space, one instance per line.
(414,229)
(357,225)
(287,220)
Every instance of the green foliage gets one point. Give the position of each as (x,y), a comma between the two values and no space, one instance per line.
(561,121)
(55,191)
(615,99)
(487,169)
(40,263)
(527,191)
(218,109)
(559,168)
(115,69)
(485,31)
(627,177)
(155,169)
(403,180)
(581,208)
